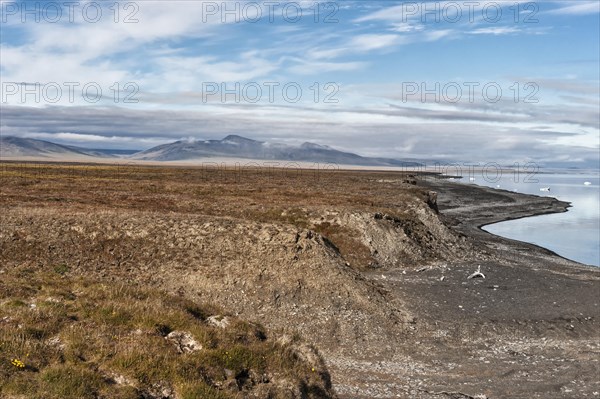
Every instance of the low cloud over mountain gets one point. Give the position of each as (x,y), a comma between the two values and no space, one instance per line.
(234,146)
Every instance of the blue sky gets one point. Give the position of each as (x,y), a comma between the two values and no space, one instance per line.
(377,60)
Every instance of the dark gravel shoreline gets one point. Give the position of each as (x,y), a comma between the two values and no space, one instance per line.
(469,208)
(530,329)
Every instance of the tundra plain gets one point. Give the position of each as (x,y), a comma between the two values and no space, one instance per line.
(342,283)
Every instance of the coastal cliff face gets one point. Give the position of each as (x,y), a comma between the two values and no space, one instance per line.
(280,276)
(362,265)
(285,266)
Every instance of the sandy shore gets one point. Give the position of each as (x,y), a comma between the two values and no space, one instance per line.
(528,330)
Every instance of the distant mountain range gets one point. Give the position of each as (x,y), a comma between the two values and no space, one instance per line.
(240,147)
(17,147)
(230,147)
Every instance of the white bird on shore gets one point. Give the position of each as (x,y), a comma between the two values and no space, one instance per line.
(477,274)
(545,189)
(587,183)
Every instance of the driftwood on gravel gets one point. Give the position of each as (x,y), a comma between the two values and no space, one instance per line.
(477,274)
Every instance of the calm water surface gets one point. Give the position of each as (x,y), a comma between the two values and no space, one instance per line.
(574,234)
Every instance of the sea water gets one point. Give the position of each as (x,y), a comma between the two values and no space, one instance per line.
(574,234)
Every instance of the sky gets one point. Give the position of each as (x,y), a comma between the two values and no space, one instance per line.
(504,81)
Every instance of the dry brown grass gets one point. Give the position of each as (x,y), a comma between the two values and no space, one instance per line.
(265,195)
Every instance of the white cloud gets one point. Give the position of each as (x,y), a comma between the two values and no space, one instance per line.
(171,52)
(374,41)
(191,72)
(438,34)
(496,31)
(580,8)
(311,67)
(396,129)
(394,13)
(405,27)
(433,12)
(357,45)
(101,52)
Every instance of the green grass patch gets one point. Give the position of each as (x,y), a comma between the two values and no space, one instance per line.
(66,337)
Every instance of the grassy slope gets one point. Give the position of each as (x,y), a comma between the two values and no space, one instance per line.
(64,337)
